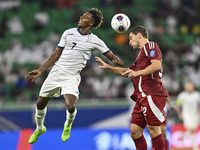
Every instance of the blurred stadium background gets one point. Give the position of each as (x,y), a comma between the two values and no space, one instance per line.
(30,31)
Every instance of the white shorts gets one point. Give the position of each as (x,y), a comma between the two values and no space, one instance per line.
(190,121)
(60,83)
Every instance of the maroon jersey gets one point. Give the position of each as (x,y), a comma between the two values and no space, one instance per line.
(149,84)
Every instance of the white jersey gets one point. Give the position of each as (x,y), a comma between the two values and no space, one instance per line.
(77,49)
(189,101)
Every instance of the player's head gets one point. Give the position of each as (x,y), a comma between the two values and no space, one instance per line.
(140,29)
(97,16)
(138,36)
(189,87)
(92,18)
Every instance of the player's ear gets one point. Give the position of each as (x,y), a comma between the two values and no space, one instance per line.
(91,24)
(139,35)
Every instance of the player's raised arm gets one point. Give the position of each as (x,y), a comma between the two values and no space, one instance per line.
(115,60)
(34,74)
(116,70)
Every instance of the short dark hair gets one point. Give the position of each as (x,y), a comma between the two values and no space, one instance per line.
(140,29)
(98,17)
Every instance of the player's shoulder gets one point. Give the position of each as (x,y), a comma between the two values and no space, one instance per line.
(197,93)
(151,45)
(94,36)
(182,94)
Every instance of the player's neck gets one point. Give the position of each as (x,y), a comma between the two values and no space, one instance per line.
(143,42)
(85,30)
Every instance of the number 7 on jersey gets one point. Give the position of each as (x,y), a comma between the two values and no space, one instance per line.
(73,45)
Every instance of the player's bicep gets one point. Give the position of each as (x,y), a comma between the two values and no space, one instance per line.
(57,52)
(156,64)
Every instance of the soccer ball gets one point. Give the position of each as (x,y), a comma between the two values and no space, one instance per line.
(120,23)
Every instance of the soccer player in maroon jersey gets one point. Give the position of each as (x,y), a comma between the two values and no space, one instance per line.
(149,94)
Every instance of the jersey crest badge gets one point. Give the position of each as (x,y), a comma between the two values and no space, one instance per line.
(89,39)
(152,53)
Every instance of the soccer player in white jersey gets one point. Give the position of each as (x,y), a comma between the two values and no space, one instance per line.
(190,112)
(69,58)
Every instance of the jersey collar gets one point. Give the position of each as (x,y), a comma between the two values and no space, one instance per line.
(82,33)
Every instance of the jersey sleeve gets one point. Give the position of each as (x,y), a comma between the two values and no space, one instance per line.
(154,51)
(62,42)
(101,46)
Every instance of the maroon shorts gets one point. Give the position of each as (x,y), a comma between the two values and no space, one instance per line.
(164,122)
(149,110)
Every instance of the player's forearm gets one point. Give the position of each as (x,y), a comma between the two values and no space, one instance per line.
(117,70)
(169,101)
(149,70)
(114,59)
(50,61)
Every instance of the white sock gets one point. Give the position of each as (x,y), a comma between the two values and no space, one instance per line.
(70,117)
(39,118)
(192,137)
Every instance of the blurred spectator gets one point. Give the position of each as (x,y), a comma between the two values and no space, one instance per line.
(174,4)
(171,25)
(184,29)
(149,24)
(196,29)
(41,20)
(196,47)
(9,4)
(15,25)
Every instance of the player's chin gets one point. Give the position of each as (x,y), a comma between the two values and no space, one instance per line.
(79,24)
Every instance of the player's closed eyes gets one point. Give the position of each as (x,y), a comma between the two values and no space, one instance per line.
(84,16)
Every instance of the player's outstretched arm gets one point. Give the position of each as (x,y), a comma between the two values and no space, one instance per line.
(115,60)
(155,66)
(34,74)
(170,104)
(115,70)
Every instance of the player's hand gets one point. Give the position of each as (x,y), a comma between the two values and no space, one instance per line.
(130,73)
(180,116)
(33,75)
(118,62)
(173,108)
(103,64)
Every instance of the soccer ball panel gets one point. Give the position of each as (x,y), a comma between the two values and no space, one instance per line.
(120,23)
